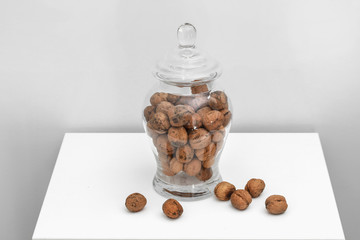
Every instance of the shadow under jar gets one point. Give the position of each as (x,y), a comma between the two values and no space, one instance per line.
(187,118)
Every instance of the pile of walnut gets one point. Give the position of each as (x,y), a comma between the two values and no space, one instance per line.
(241,198)
(188,131)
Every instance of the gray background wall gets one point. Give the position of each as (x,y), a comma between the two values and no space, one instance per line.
(84,66)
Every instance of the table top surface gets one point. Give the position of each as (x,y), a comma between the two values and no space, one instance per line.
(95,172)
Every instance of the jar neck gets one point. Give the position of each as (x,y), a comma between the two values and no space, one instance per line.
(185,89)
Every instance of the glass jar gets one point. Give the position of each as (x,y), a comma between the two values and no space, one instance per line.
(187,118)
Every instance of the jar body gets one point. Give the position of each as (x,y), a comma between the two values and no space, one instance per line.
(187,128)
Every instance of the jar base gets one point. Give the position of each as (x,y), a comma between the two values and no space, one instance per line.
(194,192)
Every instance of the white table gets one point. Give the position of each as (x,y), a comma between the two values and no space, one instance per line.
(94,174)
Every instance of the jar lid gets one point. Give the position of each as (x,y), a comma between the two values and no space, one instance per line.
(186,65)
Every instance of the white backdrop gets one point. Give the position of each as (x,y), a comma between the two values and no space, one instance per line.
(74,66)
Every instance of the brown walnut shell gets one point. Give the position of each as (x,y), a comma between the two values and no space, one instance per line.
(164,107)
(206,153)
(241,199)
(208,163)
(176,166)
(218,100)
(149,111)
(199,138)
(160,122)
(213,120)
(164,146)
(218,136)
(204,174)
(194,122)
(172,208)
(193,167)
(180,115)
(276,204)
(177,136)
(202,111)
(165,166)
(227,116)
(157,98)
(184,154)
(224,190)
(255,187)
(135,202)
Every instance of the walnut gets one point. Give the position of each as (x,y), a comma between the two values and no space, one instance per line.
(213,120)
(204,174)
(218,136)
(160,122)
(165,166)
(177,136)
(199,89)
(224,190)
(194,122)
(172,208)
(218,100)
(180,115)
(227,116)
(164,107)
(276,204)
(255,187)
(164,146)
(193,167)
(208,163)
(206,153)
(135,202)
(157,98)
(176,166)
(173,98)
(241,199)
(149,111)
(184,154)
(202,111)
(199,138)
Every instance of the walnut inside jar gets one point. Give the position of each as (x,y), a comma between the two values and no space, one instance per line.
(218,136)
(160,122)
(177,136)
(202,111)
(227,116)
(199,138)
(180,115)
(184,154)
(208,163)
(176,166)
(164,146)
(206,153)
(204,174)
(158,97)
(213,120)
(218,100)
(194,122)
(164,107)
(149,111)
(193,167)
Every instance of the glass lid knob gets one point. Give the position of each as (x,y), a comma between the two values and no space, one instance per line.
(186,35)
